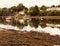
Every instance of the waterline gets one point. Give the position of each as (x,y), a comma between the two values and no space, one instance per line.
(52,31)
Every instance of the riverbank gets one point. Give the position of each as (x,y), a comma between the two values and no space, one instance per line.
(32,38)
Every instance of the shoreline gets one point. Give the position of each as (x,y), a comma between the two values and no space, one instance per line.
(31,38)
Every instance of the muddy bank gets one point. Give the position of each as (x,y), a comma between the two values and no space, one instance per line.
(9,38)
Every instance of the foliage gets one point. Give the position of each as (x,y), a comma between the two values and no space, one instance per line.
(54,13)
(43,8)
(33,11)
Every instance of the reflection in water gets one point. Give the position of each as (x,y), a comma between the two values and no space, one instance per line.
(52,31)
(33,25)
(9,27)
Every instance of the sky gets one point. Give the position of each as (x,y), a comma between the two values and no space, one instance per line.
(28,3)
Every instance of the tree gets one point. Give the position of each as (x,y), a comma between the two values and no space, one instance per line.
(20,7)
(1,12)
(26,10)
(13,9)
(5,12)
(54,13)
(53,6)
(34,11)
(43,8)
(58,6)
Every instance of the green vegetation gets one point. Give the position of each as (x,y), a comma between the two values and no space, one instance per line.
(12,10)
(33,11)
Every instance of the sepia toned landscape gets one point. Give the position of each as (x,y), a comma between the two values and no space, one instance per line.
(33,26)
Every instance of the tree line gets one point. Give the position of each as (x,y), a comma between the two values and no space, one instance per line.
(33,11)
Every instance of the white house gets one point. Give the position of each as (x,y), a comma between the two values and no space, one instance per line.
(21,12)
(53,8)
(9,19)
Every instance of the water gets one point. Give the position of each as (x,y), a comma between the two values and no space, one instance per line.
(52,31)
(11,24)
(9,27)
